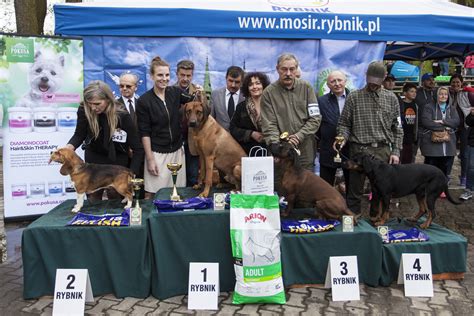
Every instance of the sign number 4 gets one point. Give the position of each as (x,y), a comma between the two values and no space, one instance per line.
(415,273)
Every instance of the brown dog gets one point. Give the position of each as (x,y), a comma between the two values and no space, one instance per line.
(89,177)
(214,145)
(303,185)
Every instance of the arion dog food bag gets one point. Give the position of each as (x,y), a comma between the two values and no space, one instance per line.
(255,236)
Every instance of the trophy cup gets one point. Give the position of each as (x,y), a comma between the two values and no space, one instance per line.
(136,212)
(339,141)
(285,136)
(174,168)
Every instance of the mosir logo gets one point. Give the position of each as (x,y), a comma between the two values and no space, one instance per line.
(300,3)
(255,217)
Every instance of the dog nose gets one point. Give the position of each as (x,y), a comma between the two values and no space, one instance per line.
(45,79)
(192,124)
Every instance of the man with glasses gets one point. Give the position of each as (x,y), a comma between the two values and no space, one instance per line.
(128,87)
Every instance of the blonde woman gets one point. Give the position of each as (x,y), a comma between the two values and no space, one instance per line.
(106,132)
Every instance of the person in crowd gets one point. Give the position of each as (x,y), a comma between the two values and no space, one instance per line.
(290,105)
(245,125)
(298,73)
(185,73)
(225,99)
(410,123)
(469,65)
(437,117)
(128,87)
(389,82)
(106,132)
(444,64)
(467,195)
(458,99)
(369,122)
(331,105)
(159,123)
(427,92)
(436,68)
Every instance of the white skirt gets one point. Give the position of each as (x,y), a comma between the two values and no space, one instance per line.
(164,179)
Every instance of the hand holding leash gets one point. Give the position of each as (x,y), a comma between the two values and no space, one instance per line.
(394,160)
(294,140)
(339,143)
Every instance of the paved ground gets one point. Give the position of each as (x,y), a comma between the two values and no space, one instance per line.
(450,297)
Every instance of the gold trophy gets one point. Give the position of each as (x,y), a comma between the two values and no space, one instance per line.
(136,212)
(174,168)
(285,136)
(339,141)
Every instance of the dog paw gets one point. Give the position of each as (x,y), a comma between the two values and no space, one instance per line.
(203,194)
(412,219)
(76,209)
(197,186)
(425,225)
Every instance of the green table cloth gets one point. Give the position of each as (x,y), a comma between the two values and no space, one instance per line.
(203,236)
(448,251)
(118,258)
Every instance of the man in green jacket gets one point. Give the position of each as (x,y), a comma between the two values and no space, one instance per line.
(290,105)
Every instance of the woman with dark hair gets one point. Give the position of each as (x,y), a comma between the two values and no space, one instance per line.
(439,117)
(458,99)
(107,133)
(245,123)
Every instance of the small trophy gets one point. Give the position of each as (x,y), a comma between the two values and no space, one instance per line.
(136,212)
(219,201)
(347,223)
(285,136)
(339,141)
(383,231)
(174,168)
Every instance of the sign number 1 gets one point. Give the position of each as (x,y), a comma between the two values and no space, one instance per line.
(71,277)
(204,274)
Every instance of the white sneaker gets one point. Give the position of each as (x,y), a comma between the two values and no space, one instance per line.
(467,195)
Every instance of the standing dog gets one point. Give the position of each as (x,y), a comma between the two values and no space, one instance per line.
(303,185)
(388,181)
(214,145)
(90,177)
(45,76)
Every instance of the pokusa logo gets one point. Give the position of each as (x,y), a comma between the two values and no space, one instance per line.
(259,177)
(255,218)
(299,6)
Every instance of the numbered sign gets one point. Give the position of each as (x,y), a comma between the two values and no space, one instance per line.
(203,288)
(415,273)
(343,277)
(71,290)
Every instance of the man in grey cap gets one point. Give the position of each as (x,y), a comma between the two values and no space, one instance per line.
(370,123)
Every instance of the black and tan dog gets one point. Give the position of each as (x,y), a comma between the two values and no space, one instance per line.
(425,181)
(302,185)
(89,177)
(214,145)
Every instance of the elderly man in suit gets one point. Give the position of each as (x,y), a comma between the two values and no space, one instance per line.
(330,106)
(224,100)
(128,87)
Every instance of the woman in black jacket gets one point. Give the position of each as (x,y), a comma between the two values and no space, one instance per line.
(245,123)
(469,152)
(106,132)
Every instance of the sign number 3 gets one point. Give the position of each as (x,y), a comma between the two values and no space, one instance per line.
(344,268)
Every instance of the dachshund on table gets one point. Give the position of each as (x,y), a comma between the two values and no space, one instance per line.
(89,177)
(303,185)
(387,181)
(214,145)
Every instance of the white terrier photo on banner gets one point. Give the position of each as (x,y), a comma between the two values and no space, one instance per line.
(45,77)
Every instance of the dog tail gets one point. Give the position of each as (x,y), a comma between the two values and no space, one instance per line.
(450,198)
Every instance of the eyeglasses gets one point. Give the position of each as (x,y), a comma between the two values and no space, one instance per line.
(126,86)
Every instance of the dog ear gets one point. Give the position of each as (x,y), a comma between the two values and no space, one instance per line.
(206,110)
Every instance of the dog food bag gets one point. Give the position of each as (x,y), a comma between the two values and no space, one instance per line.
(255,237)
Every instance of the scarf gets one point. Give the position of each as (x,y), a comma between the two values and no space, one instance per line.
(252,111)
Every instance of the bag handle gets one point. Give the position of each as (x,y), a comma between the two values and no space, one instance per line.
(255,150)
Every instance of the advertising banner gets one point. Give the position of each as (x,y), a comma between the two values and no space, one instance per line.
(41,82)
(107,57)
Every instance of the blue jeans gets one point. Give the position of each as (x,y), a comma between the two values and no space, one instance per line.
(470,168)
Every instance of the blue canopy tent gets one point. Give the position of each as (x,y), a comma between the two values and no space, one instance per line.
(427,28)
(422,22)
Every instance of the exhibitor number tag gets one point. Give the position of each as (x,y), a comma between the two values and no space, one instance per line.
(120,136)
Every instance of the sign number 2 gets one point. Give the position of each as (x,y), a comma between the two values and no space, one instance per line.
(71,277)
(204,274)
